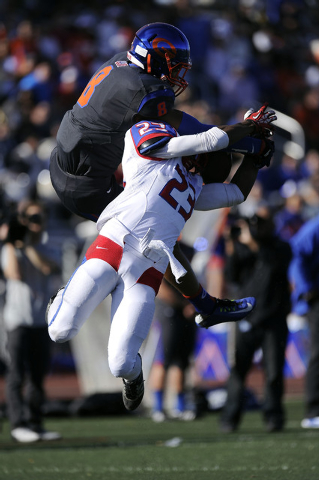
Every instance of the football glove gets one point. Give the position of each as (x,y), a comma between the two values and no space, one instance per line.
(265,155)
(262,120)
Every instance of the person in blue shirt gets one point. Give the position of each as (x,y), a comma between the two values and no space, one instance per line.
(304,277)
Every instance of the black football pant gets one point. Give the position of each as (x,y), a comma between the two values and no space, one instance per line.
(312,374)
(28,350)
(81,194)
(273,343)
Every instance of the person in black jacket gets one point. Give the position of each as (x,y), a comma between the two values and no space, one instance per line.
(257,262)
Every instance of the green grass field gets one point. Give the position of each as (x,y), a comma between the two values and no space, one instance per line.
(133,447)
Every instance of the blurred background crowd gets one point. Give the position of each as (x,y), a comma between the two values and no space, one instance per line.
(244,52)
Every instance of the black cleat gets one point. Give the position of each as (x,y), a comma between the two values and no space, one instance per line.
(49,305)
(133,392)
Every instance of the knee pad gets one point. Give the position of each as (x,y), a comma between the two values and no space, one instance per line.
(125,366)
(61,335)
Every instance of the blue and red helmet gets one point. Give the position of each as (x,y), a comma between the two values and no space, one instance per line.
(162,50)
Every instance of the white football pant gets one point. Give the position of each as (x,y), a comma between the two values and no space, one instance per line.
(131,312)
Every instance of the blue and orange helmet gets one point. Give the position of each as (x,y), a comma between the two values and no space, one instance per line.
(162,50)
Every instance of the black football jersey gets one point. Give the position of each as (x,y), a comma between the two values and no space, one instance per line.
(92,133)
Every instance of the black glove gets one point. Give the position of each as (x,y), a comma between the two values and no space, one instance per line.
(265,154)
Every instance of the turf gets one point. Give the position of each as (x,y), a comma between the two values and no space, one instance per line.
(133,447)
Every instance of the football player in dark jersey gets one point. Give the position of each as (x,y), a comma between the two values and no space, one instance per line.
(141,83)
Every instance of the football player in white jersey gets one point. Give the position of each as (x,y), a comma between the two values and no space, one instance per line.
(137,234)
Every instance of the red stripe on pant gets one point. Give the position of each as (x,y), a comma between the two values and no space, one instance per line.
(107,250)
(152,278)
(110,252)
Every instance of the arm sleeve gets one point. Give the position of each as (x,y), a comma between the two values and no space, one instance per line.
(218,195)
(246,145)
(190,125)
(157,103)
(212,140)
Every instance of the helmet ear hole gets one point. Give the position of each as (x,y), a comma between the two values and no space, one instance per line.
(157,66)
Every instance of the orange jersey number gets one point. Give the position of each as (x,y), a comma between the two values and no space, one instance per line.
(89,89)
(161,109)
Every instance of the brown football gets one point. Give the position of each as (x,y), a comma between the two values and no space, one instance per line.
(217,166)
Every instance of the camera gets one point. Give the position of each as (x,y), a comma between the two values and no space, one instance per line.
(16,231)
(235,231)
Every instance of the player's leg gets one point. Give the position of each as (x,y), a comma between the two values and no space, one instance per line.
(189,285)
(211,310)
(132,314)
(86,289)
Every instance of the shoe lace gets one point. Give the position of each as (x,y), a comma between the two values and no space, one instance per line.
(228,304)
(135,388)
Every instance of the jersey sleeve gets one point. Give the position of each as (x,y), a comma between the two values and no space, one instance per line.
(157,103)
(219,195)
(212,140)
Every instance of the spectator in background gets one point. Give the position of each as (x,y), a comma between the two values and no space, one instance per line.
(7,143)
(309,186)
(257,262)
(310,164)
(27,269)
(237,88)
(23,48)
(290,217)
(175,347)
(306,113)
(304,277)
(288,169)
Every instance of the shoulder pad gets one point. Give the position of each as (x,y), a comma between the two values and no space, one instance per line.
(153,144)
(149,135)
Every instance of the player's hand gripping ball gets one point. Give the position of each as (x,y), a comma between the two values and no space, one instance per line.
(214,167)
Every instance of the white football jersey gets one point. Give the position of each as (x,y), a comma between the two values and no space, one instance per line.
(158,194)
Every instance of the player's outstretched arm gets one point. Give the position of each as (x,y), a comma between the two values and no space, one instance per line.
(216,138)
(261,119)
(235,132)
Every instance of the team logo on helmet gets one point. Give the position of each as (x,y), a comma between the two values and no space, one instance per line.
(161,50)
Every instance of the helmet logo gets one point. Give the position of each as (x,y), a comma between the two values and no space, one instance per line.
(161,50)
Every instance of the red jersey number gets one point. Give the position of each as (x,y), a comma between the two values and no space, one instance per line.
(182,186)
